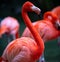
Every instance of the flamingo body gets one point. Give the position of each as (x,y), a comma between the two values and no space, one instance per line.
(24,45)
(44,28)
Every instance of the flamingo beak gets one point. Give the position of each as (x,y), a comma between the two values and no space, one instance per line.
(2,31)
(58,25)
(36,9)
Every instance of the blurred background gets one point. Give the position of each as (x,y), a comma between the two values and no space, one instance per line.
(13,8)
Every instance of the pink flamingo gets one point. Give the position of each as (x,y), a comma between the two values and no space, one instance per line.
(25,49)
(56,11)
(10,26)
(46,28)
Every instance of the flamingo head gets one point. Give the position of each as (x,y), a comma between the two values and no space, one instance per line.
(29,7)
(53,18)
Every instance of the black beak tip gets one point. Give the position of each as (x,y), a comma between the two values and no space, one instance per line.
(58,27)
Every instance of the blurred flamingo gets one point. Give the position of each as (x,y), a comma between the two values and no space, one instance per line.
(46,28)
(25,49)
(56,11)
(10,26)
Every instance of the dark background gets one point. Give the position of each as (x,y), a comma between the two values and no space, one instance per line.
(13,8)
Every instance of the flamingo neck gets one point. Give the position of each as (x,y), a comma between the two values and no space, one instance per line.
(35,34)
(17,35)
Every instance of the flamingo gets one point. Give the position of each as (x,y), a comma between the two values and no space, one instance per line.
(10,26)
(56,11)
(25,49)
(46,28)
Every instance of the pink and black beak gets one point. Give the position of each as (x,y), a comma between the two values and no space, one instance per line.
(58,25)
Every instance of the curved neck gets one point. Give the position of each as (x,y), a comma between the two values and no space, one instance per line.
(35,34)
(50,16)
